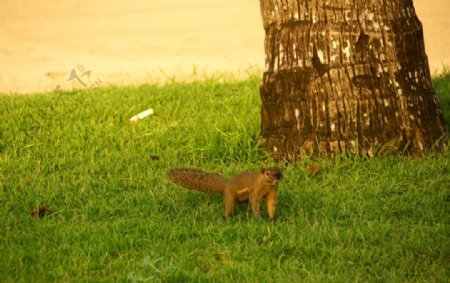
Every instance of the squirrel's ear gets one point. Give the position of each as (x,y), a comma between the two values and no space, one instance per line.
(263,171)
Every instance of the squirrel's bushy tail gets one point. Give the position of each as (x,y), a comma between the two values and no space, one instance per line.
(197,179)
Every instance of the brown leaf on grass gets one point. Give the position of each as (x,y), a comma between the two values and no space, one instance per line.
(313,169)
(155,157)
(41,212)
(350,263)
(222,258)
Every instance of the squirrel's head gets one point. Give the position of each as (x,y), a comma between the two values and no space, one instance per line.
(273,175)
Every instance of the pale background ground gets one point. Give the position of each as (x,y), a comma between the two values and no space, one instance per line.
(138,41)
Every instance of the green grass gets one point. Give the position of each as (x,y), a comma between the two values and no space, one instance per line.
(116,217)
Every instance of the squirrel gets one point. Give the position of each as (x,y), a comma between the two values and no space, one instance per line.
(249,186)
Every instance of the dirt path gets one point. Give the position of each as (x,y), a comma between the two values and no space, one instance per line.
(44,42)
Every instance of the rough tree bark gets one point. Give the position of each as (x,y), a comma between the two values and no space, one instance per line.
(347,75)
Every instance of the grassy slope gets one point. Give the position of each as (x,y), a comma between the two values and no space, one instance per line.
(116,216)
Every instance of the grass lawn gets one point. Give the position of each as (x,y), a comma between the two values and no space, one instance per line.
(109,213)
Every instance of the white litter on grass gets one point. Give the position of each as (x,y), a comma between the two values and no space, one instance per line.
(142,115)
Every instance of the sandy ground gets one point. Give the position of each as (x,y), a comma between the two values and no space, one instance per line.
(43,43)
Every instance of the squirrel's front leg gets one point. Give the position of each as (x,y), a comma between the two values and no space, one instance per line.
(271,200)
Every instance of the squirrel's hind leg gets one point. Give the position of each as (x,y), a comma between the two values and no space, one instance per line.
(229,202)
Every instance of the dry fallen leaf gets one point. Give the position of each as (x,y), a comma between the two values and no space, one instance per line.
(41,211)
(313,169)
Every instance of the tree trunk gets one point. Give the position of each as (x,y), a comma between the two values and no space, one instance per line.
(347,75)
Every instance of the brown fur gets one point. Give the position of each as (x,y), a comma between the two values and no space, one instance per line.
(250,187)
